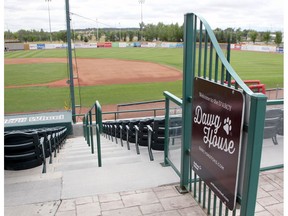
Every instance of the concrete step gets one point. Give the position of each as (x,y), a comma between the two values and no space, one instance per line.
(76,154)
(75,173)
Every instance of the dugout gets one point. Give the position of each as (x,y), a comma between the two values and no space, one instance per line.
(38,120)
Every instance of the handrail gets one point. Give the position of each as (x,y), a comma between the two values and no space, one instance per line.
(139,103)
(275,102)
(133,111)
(173,98)
(150,131)
(88,128)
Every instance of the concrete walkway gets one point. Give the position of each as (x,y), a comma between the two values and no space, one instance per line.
(75,185)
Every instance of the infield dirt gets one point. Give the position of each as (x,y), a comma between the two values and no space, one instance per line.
(107,71)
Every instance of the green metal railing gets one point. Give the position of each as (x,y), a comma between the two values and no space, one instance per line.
(273,103)
(204,58)
(116,113)
(88,126)
(178,102)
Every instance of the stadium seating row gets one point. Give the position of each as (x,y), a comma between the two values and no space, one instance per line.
(148,132)
(273,124)
(25,149)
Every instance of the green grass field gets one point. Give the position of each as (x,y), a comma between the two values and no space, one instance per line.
(267,67)
(24,74)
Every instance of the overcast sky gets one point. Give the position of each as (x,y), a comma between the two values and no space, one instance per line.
(245,14)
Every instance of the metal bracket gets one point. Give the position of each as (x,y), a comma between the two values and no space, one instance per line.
(181,190)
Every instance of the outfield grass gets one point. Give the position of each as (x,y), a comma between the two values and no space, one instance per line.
(32,99)
(267,67)
(24,74)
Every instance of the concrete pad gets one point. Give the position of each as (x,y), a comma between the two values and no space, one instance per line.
(32,192)
(47,208)
(119,178)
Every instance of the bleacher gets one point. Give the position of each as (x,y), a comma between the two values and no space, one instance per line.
(145,132)
(29,148)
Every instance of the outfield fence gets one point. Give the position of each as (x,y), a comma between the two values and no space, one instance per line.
(94,45)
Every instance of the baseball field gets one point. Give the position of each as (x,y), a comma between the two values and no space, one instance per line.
(36,80)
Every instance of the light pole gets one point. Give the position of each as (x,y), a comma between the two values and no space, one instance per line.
(120,32)
(49,20)
(97,30)
(141,24)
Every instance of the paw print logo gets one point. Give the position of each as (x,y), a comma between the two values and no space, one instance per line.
(227,125)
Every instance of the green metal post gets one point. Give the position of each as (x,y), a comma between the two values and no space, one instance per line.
(84,128)
(166,141)
(71,75)
(98,115)
(253,154)
(228,76)
(91,131)
(87,130)
(187,100)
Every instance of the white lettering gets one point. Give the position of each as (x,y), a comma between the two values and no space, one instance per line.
(211,124)
(207,119)
(215,141)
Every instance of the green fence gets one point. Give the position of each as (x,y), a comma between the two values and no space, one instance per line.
(204,58)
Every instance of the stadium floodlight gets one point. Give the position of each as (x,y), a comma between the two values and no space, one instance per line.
(141,2)
(49,20)
(97,36)
(141,24)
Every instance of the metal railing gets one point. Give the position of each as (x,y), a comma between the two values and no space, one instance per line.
(210,63)
(167,160)
(116,113)
(88,126)
(274,149)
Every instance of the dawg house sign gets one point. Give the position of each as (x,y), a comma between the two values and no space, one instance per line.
(216,140)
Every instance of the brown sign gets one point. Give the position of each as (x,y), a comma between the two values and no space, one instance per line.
(216,137)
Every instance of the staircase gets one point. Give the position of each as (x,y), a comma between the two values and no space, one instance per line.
(75,173)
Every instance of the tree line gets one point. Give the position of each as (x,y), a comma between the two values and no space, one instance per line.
(147,32)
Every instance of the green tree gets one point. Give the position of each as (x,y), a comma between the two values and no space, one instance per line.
(62,35)
(9,35)
(278,38)
(239,34)
(267,36)
(86,39)
(253,35)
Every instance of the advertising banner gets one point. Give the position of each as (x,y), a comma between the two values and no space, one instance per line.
(137,44)
(122,44)
(236,46)
(61,46)
(50,46)
(216,137)
(40,46)
(33,46)
(258,48)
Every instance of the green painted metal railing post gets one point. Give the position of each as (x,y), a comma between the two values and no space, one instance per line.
(91,131)
(98,114)
(84,127)
(87,130)
(187,101)
(254,149)
(166,141)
